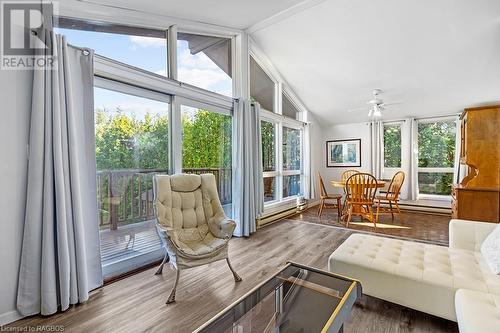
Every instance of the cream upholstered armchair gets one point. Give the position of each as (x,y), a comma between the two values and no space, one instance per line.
(191,223)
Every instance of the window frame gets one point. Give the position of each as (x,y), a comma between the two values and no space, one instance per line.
(281,88)
(126,78)
(389,172)
(235,71)
(280,122)
(425,196)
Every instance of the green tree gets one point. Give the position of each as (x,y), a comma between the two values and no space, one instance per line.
(268,146)
(392,146)
(436,149)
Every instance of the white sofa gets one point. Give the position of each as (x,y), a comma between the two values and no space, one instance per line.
(426,277)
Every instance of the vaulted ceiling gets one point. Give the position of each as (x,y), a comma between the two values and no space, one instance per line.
(434,56)
(239,14)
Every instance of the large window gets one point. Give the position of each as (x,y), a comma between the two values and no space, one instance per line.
(436,154)
(139,47)
(269,137)
(205,62)
(292,162)
(281,158)
(261,86)
(136,137)
(207,148)
(392,145)
(132,144)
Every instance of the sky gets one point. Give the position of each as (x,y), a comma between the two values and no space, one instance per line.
(148,53)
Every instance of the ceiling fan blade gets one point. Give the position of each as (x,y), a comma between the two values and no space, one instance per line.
(393,103)
(357,109)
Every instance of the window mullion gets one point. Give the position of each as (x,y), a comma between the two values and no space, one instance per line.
(172,52)
(279,161)
(176,138)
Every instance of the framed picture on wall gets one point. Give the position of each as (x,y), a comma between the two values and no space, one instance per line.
(343,153)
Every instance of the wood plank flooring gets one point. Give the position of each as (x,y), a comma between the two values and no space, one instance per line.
(137,303)
(432,228)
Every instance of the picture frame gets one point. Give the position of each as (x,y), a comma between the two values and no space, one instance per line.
(343,153)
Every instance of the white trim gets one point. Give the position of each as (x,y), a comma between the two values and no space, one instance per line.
(437,197)
(125,88)
(91,10)
(282,15)
(270,174)
(276,206)
(176,130)
(435,170)
(265,63)
(202,105)
(9,317)
(172,52)
(241,66)
(117,71)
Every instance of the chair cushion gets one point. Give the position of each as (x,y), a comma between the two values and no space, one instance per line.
(187,209)
(417,275)
(194,243)
(490,248)
(477,312)
(185,182)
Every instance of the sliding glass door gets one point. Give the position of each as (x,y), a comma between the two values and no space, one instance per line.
(132,145)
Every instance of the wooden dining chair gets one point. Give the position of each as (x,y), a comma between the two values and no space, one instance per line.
(391,197)
(361,189)
(348,173)
(326,198)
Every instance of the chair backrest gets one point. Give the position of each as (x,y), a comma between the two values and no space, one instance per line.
(394,188)
(322,187)
(186,201)
(348,173)
(361,187)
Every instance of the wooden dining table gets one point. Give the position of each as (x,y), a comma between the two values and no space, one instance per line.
(341,183)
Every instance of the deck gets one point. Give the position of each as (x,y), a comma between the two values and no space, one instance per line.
(132,241)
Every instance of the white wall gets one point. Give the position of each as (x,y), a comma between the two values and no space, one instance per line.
(345,132)
(15,94)
(317,152)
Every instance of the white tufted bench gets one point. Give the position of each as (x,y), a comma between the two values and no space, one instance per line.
(421,276)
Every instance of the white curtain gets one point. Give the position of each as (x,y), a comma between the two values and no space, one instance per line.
(412,171)
(60,260)
(309,182)
(248,187)
(459,170)
(377,147)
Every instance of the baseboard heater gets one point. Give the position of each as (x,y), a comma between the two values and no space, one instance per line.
(279,215)
(423,208)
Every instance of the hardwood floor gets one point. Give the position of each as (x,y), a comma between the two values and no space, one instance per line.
(137,303)
(431,228)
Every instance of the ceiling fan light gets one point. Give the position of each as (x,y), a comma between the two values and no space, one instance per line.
(377,113)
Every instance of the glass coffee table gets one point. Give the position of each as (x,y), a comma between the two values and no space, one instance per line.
(296,299)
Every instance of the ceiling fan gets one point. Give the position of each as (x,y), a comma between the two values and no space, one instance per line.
(377,105)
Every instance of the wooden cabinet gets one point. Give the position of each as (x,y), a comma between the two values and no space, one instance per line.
(477,197)
(478,204)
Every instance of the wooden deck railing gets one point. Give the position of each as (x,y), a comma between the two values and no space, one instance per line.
(126,196)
